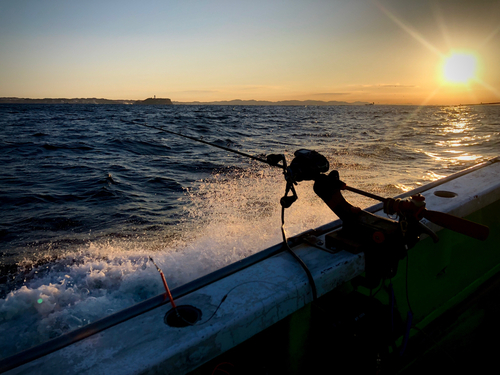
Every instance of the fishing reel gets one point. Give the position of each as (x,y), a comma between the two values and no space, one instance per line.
(307,165)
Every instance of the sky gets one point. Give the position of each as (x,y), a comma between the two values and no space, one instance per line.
(381,51)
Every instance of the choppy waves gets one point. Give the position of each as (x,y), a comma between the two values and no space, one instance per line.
(87,197)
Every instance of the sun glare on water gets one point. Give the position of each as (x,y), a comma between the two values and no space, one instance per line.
(460,68)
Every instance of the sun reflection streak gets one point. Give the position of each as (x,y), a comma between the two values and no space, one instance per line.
(468,157)
(403,188)
(456,129)
(432,176)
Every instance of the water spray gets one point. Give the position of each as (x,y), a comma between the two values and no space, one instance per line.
(311,165)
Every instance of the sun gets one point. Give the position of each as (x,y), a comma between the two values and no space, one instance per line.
(459,68)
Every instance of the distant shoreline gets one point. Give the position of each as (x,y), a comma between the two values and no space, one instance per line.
(165,101)
(269,103)
(159,101)
(148,101)
(14,100)
(493,103)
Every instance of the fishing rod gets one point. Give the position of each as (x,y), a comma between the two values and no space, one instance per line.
(205,142)
(311,165)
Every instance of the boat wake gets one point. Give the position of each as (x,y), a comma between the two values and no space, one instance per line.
(227,217)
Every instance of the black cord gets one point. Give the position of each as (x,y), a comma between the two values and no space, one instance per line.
(382,284)
(297,258)
(224,298)
(406,283)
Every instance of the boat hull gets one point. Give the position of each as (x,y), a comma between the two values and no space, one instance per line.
(269,299)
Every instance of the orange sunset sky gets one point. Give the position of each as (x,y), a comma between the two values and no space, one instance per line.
(382,51)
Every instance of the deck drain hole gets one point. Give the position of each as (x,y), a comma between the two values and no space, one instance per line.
(182,316)
(445,194)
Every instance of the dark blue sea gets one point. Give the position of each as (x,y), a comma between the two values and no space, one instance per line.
(87,193)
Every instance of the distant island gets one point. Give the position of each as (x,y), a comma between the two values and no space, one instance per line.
(153,101)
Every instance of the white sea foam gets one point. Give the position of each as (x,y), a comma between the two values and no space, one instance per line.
(229,218)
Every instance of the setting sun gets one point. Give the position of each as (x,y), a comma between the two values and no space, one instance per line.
(459,68)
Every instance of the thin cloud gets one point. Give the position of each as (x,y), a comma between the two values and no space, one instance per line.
(331,93)
(385,85)
(198,92)
(397,85)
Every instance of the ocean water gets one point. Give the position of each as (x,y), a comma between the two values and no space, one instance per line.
(87,194)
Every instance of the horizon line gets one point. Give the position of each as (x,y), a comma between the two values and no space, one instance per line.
(7,99)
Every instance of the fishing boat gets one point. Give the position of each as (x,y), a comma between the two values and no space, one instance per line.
(357,291)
